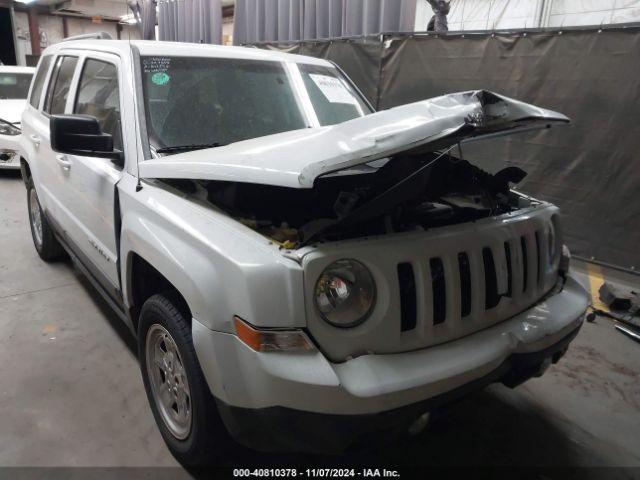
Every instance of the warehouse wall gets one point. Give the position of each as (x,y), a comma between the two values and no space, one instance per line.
(507,14)
(52,31)
(493,14)
(589,169)
(593,12)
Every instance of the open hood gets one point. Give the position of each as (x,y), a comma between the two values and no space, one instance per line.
(296,158)
(11,110)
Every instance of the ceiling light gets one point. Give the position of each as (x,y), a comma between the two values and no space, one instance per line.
(128,19)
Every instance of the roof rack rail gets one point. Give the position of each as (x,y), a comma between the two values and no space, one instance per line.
(89,36)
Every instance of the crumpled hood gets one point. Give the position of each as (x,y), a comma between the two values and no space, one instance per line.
(11,110)
(296,158)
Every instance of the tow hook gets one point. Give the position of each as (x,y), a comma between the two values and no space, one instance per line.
(420,424)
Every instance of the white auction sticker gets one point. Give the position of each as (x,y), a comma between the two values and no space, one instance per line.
(333,89)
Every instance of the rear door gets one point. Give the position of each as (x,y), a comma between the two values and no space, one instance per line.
(34,141)
(88,189)
(51,178)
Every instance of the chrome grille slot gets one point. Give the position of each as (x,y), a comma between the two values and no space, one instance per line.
(525,261)
(439,290)
(538,258)
(507,253)
(465,284)
(491,295)
(408,301)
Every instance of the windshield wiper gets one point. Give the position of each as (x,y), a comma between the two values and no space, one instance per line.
(16,125)
(13,124)
(186,148)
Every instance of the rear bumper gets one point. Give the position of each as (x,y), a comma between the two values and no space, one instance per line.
(290,401)
(9,152)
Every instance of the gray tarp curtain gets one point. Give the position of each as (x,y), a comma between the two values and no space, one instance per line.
(195,21)
(290,20)
(590,169)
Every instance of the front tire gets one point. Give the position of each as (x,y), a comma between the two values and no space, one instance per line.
(44,240)
(182,404)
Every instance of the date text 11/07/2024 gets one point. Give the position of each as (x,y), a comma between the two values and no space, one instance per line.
(316,472)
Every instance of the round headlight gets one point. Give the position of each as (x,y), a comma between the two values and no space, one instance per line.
(345,293)
(8,129)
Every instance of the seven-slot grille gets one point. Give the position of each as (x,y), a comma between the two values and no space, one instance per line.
(476,284)
(439,285)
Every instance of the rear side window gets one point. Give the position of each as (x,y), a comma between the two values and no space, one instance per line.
(60,84)
(38,83)
(98,96)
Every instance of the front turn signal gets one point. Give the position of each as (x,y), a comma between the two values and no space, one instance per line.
(271,340)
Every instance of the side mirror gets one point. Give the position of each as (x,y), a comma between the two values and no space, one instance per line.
(81,135)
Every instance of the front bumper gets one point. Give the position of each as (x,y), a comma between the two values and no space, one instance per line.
(275,401)
(9,152)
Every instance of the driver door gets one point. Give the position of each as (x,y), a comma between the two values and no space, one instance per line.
(90,182)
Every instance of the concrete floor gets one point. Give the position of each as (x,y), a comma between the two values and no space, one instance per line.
(71,392)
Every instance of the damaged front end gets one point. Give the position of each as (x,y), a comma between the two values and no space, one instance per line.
(388,172)
(404,194)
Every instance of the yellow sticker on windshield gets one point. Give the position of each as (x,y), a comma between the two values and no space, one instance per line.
(160,78)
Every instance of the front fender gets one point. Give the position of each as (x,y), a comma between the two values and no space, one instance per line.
(213,262)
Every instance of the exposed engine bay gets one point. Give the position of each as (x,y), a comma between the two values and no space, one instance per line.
(407,192)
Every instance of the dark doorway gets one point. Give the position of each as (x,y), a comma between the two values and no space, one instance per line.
(7,47)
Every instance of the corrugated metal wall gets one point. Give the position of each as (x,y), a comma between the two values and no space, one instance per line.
(290,20)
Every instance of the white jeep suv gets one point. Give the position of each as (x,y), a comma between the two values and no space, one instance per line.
(301,272)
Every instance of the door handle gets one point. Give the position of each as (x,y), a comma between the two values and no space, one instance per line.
(64,162)
(35,139)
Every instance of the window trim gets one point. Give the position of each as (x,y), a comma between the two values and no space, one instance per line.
(139,107)
(348,79)
(52,83)
(45,82)
(78,85)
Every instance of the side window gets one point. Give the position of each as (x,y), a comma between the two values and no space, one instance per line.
(38,83)
(60,84)
(98,96)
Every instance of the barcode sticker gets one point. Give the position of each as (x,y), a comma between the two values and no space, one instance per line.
(333,89)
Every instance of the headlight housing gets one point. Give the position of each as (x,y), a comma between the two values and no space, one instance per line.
(345,293)
(8,129)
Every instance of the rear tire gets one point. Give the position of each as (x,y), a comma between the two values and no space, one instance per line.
(169,363)
(44,240)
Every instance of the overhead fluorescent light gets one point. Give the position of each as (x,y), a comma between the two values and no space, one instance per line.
(26,2)
(128,19)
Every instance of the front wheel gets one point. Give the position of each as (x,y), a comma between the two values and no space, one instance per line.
(180,399)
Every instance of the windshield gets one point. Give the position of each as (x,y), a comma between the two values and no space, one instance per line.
(216,101)
(14,85)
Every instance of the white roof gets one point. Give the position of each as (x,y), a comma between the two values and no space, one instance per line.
(14,69)
(151,47)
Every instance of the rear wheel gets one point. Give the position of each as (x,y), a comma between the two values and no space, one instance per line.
(180,399)
(44,240)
